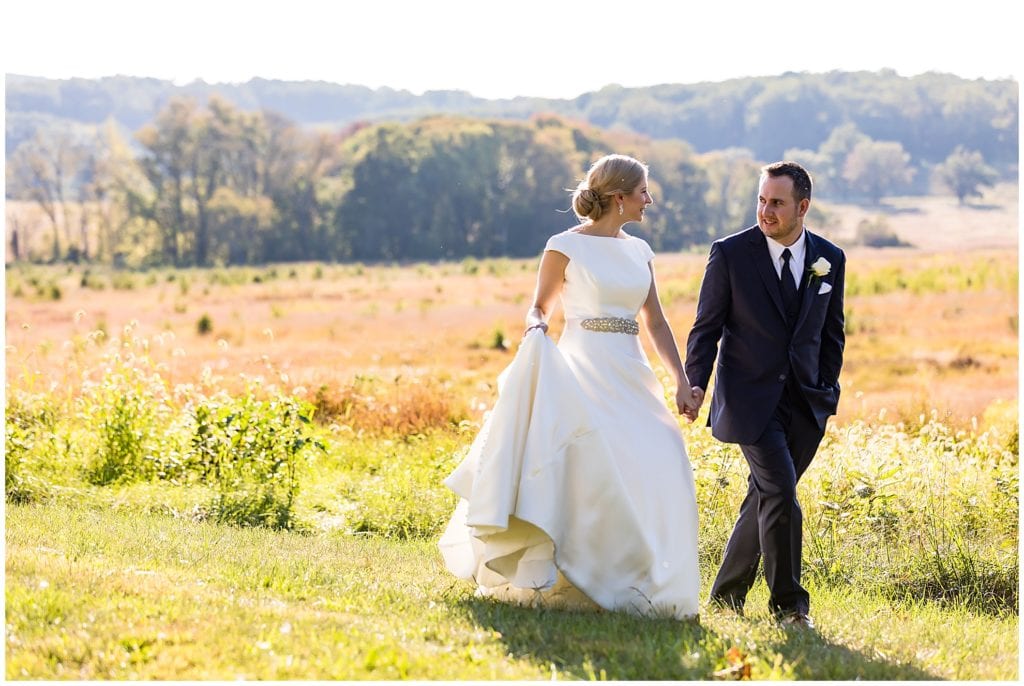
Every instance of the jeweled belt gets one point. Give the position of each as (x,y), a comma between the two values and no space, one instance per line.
(611,325)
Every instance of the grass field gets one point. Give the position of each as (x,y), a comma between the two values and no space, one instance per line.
(125,559)
(166,598)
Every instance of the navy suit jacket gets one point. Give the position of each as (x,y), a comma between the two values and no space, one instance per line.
(740,305)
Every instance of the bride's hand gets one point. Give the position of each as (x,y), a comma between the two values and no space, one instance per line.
(542,326)
(689,401)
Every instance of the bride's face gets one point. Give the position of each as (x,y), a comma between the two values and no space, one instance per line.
(633,205)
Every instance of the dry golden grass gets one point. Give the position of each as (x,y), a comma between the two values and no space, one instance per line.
(415,346)
(427,338)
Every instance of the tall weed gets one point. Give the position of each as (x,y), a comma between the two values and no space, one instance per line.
(128,409)
(30,442)
(929,514)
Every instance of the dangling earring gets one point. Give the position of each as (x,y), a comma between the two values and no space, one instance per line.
(620,209)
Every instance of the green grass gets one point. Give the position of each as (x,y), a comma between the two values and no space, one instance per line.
(117,567)
(95,593)
(910,556)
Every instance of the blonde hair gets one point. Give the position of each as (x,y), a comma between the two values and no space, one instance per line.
(608,176)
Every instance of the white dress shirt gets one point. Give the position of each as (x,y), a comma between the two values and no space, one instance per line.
(796,262)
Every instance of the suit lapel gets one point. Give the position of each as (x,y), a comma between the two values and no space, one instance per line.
(810,284)
(763,261)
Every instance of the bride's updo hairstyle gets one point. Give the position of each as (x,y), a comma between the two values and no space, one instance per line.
(609,175)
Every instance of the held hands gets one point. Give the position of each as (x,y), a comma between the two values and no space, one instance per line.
(689,401)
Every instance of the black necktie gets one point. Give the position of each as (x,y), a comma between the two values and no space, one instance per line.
(790,298)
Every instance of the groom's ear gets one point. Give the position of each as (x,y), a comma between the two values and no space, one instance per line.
(801,209)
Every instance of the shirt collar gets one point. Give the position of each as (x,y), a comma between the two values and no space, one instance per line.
(797,249)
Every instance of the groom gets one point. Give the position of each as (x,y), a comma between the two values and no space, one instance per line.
(773,295)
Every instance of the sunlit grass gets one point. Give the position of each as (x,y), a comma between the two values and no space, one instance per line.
(94,594)
(910,508)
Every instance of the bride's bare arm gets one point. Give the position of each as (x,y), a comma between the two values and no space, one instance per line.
(664,341)
(550,277)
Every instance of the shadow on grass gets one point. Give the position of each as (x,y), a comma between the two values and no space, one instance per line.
(815,657)
(607,645)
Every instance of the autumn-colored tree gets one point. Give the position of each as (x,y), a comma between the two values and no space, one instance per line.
(43,169)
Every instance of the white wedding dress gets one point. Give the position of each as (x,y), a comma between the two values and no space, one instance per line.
(578,480)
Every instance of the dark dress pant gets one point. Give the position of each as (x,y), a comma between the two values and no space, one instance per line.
(770,523)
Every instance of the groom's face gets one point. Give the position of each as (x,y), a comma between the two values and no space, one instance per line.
(779,215)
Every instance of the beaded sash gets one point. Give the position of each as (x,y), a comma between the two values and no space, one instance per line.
(611,325)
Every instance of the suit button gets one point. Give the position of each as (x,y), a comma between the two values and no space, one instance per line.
(782,377)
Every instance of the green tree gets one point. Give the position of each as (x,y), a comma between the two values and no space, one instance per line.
(374,214)
(964,172)
(826,164)
(732,194)
(448,187)
(680,184)
(877,169)
(169,146)
(304,177)
(125,238)
(208,169)
(792,109)
(237,226)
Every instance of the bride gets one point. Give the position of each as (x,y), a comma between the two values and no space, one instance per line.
(578,489)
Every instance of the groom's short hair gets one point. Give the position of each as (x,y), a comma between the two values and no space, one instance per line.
(801,179)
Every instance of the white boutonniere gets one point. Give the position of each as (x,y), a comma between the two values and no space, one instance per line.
(821,267)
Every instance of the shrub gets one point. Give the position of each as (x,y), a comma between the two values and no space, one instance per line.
(877,234)
(122,281)
(90,280)
(498,341)
(204,325)
(249,450)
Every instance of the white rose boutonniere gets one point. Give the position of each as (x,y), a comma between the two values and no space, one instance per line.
(821,267)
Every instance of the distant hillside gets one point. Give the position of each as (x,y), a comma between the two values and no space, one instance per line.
(928,115)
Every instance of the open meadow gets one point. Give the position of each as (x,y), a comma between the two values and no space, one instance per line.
(236,472)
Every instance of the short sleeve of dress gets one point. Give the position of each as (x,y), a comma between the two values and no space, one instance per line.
(645,250)
(559,243)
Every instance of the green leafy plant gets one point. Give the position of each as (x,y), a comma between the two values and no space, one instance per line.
(29,438)
(249,450)
(129,410)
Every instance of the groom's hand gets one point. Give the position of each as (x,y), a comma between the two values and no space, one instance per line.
(689,406)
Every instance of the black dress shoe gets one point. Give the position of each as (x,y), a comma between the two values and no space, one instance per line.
(797,620)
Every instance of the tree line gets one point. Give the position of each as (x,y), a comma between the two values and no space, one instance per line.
(212,183)
(930,115)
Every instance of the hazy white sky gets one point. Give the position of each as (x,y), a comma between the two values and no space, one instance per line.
(548,48)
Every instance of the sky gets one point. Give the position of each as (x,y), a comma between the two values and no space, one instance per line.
(544,48)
